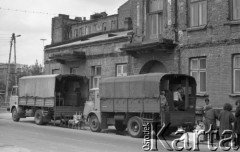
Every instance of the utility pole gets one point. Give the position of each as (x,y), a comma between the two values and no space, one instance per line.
(13,42)
(15,60)
(8,70)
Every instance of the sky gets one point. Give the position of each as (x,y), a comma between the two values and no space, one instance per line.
(32,20)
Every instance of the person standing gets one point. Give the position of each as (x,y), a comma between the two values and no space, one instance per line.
(210,119)
(177,98)
(226,119)
(237,122)
(164,103)
(207,104)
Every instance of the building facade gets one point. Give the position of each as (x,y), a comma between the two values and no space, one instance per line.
(89,47)
(194,37)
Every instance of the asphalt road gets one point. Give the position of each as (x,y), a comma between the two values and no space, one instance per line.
(25,136)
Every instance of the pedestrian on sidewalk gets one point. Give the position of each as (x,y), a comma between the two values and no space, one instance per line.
(237,122)
(210,118)
(226,119)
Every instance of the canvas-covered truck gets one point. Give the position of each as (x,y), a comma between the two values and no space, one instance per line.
(49,97)
(127,102)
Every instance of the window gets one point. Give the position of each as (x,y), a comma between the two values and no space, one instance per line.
(73,70)
(88,30)
(198,71)
(94,28)
(198,12)
(235,9)
(104,27)
(113,25)
(96,76)
(56,71)
(155,18)
(236,74)
(121,70)
(81,33)
(75,32)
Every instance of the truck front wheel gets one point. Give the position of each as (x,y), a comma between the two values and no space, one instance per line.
(135,128)
(38,117)
(94,124)
(15,116)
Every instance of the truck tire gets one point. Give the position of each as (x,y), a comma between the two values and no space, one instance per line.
(135,128)
(94,124)
(38,117)
(15,116)
(120,126)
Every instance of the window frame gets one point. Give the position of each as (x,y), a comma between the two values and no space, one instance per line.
(56,70)
(75,33)
(72,69)
(235,68)
(95,75)
(233,9)
(159,25)
(122,73)
(191,23)
(199,70)
(104,26)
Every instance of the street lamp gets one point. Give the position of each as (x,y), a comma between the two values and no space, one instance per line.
(43,41)
(43,49)
(15,57)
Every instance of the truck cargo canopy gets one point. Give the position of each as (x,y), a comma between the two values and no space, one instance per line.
(42,86)
(136,86)
(140,86)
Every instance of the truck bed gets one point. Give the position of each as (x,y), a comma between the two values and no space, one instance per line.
(131,105)
(35,101)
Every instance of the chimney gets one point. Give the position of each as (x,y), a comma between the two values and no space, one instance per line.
(63,16)
(78,19)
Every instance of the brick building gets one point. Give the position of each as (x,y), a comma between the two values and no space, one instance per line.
(195,37)
(89,47)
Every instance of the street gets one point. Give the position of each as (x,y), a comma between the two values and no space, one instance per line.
(26,136)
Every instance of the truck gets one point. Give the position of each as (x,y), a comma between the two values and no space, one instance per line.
(49,97)
(127,102)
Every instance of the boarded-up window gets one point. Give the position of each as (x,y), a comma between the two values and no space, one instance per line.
(198,71)
(198,12)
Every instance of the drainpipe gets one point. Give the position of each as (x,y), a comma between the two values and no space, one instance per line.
(178,49)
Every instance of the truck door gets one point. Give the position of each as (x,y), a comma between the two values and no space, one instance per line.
(14,96)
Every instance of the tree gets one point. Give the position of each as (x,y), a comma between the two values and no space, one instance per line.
(36,69)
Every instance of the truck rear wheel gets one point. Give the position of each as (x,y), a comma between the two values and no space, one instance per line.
(94,124)
(15,116)
(120,126)
(38,117)
(135,128)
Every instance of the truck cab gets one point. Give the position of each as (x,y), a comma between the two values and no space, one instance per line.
(13,99)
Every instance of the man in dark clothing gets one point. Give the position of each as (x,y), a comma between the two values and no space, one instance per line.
(237,122)
(210,116)
(226,119)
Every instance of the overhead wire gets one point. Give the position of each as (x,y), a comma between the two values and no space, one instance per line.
(32,12)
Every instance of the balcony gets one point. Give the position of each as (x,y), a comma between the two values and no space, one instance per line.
(163,45)
(62,57)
